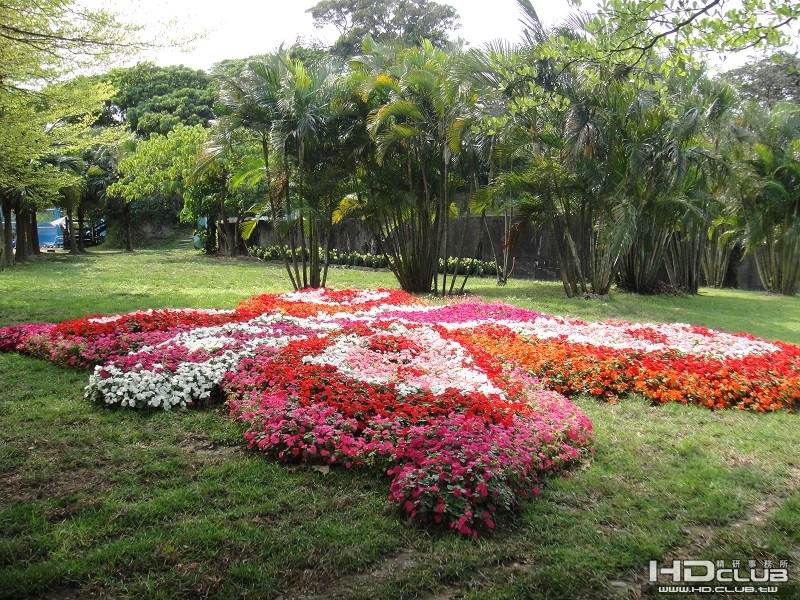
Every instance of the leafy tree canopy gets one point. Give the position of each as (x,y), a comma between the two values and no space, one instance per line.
(770,80)
(42,39)
(152,99)
(629,33)
(56,120)
(307,52)
(406,20)
(41,43)
(161,165)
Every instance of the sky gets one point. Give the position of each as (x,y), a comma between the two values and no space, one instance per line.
(241,28)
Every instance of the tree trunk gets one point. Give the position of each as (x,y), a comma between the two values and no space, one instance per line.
(127,227)
(73,242)
(80,240)
(33,233)
(22,237)
(226,233)
(8,234)
(211,235)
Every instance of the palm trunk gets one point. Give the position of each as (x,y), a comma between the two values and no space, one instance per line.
(290,232)
(8,234)
(326,251)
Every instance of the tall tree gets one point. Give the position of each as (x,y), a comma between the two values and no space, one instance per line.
(633,32)
(249,102)
(769,195)
(406,20)
(103,170)
(54,122)
(152,99)
(42,41)
(161,165)
(417,123)
(768,81)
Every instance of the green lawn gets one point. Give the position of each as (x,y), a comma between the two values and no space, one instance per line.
(118,504)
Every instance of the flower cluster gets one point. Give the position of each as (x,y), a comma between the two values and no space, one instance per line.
(462,404)
(188,366)
(757,375)
(312,302)
(456,456)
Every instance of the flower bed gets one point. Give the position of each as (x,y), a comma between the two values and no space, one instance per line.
(461,404)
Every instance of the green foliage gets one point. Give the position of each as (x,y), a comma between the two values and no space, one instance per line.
(768,81)
(161,165)
(629,32)
(56,120)
(419,122)
(621,154)
(407,21)
(769,195)
(154,100)
(41,113)
(44,39)
(621,148)
(294,115)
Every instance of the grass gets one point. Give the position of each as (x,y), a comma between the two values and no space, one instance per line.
(108,503)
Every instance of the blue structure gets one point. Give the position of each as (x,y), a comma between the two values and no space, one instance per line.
(52,229)
(51,233)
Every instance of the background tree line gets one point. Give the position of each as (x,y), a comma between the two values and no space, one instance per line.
(607,131)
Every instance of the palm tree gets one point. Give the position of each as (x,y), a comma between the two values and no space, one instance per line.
(501,146)
(306,132)
(769,196)
(553,146)
(700,177)
(417,121)
(249,103)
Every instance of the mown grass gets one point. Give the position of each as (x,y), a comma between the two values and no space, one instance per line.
(118,504)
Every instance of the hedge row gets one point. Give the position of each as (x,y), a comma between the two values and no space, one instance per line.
(469,266)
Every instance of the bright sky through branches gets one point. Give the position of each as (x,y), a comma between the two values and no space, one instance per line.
(240,28)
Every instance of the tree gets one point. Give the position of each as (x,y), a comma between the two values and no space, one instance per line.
(41,42)
(34,129)
(70,195)
(152,99)
(295,115)
(630,31)
(768,81)
(769,195)
(419,115)
(701,242)
(613,161)
(103,161)
(406,20)
(249,97)
(557,153)
(161,165)
(310,136)
(214,192)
